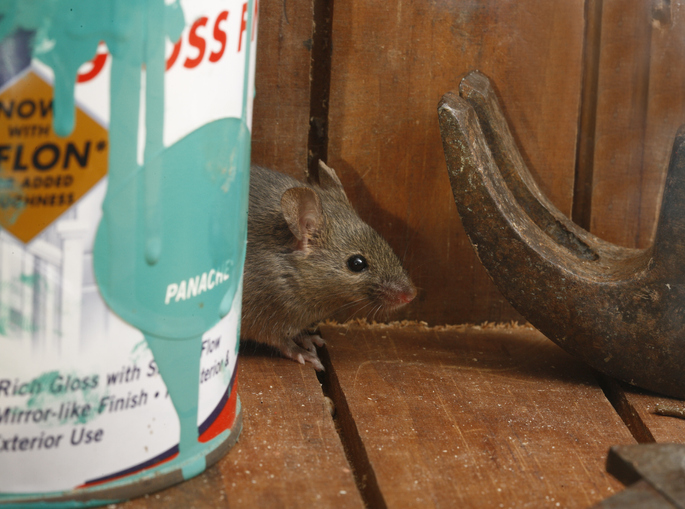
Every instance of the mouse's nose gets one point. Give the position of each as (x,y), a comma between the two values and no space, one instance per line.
(407,296)
(399,294)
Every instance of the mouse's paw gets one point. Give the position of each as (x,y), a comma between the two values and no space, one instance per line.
(301,349)
(307,341)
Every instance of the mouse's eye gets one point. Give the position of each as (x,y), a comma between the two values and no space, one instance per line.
(357,263)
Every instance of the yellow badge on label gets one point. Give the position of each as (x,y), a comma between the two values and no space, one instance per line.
(42,174)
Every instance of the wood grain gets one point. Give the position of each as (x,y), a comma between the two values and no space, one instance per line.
(641,104)
(469,417)
(666,110)
(392,61)
(621,112)
(281,105)
(637,408)
(448,416)
(288,455)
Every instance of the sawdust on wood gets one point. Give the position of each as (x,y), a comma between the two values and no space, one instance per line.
(413,324)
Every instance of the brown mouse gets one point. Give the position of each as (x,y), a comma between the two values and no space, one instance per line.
(308,256)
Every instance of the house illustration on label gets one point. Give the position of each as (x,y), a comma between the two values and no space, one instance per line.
(49,300)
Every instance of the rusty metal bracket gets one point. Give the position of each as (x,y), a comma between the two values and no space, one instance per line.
(654,474)
(620,310)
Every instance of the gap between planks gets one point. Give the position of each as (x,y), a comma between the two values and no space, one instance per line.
(320,85)
(633,406)
(617,396)
(636,407)
(352,443)
(587,120)
(345,425)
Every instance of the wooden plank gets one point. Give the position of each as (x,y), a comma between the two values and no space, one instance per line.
(637,408)
(666,110)
(641,104)
(621,112)
(288,455)
(475,417)
(281,105)
(392,61)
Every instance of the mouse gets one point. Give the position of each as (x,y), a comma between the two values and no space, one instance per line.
(310,255)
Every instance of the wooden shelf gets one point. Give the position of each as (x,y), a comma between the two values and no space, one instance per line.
(461,416)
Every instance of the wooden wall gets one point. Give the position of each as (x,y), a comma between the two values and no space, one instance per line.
(594,91)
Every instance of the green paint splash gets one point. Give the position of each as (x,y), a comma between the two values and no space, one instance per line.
(50,396)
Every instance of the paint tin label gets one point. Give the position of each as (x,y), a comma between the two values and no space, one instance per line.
(124,155)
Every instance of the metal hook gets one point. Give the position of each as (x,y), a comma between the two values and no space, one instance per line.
(622,311)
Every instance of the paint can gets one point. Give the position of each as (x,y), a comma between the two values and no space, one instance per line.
(124,168)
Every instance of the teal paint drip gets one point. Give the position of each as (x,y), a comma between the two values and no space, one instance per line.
(166,220)
(207,246)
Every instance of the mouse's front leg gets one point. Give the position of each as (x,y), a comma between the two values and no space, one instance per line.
(302,349)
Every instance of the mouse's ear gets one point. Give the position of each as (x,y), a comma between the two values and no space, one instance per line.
(302,210)
(326,178)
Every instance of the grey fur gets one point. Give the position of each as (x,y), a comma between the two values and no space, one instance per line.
(286,290)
